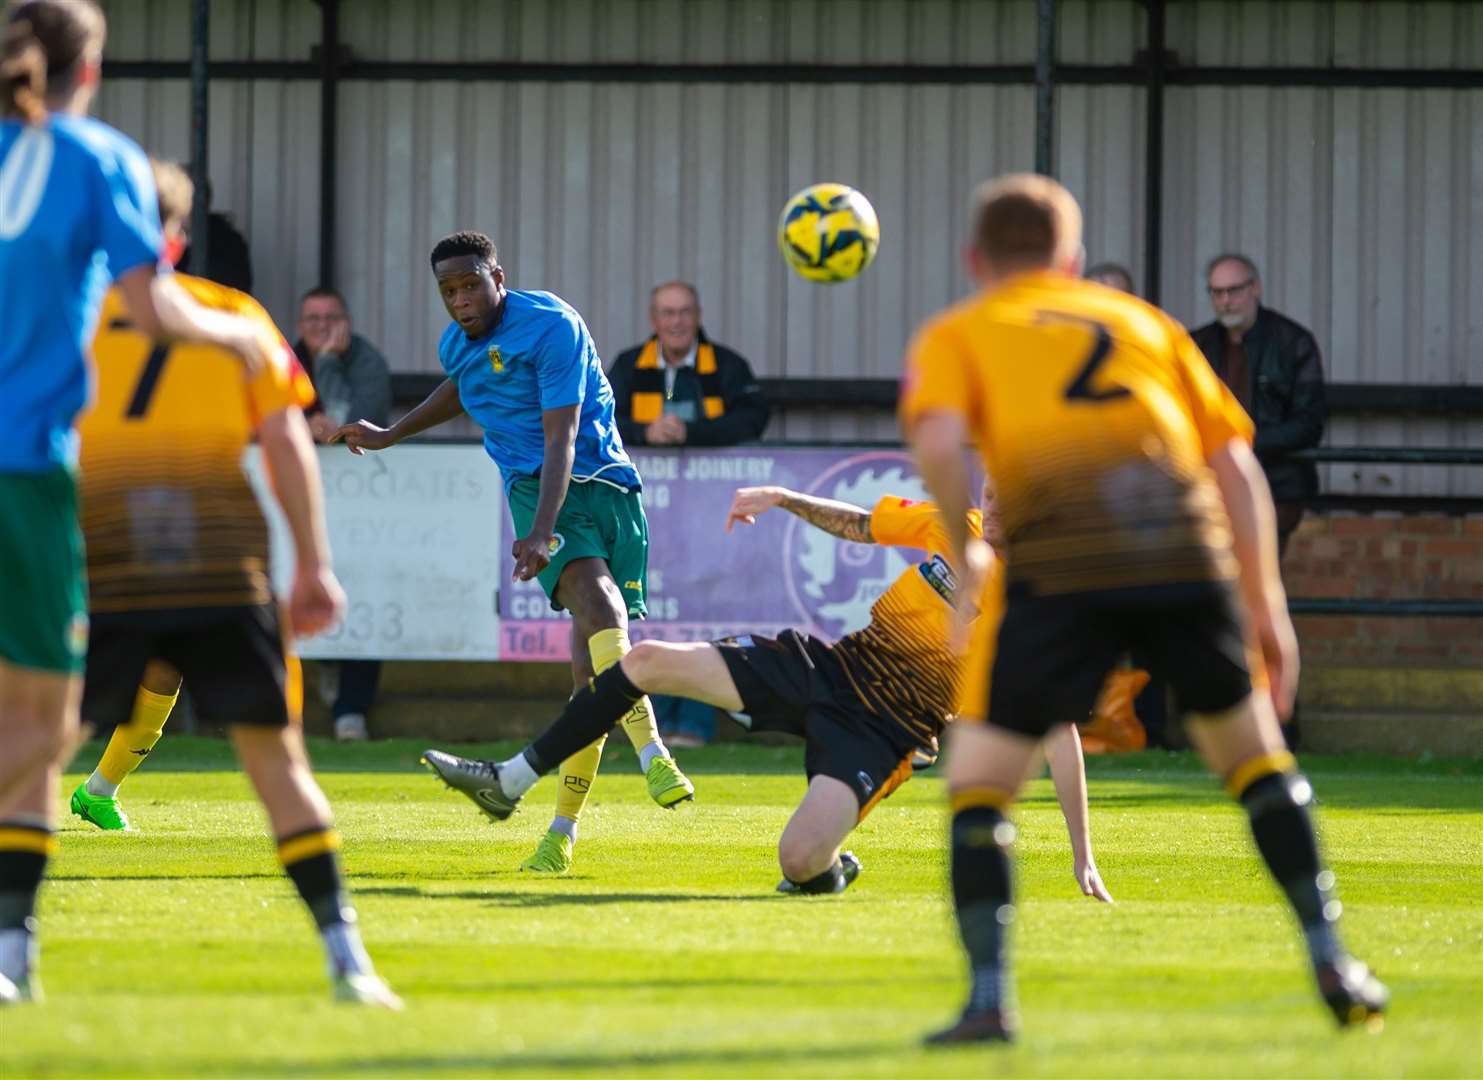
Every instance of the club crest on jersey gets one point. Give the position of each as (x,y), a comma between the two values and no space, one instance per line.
(496,361)
(833,583)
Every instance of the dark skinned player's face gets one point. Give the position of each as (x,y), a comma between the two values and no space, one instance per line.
(471,291)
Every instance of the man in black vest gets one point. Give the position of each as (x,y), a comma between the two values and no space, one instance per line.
(1273,367)
(681,389)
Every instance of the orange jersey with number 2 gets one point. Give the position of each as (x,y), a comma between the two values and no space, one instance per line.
(1095,414)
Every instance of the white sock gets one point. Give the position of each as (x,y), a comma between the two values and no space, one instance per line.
(567,826)
(17,953)
(649,753)
(516,777)
(101,786)
(344,954)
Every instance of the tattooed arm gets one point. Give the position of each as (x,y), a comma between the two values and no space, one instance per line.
(836,518)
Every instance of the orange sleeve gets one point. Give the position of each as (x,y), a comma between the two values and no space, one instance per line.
(899,522)
(283,382)
(1217,415)
(902,522)
(939,377)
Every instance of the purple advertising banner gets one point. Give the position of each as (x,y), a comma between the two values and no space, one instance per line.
(705,583)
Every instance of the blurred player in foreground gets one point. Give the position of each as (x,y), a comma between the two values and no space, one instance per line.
(1136,517)
(866,707)
(523,365)
(178,568)
(77,209)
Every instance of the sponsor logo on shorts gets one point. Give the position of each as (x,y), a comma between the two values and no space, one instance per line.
(557,543)
(867,785)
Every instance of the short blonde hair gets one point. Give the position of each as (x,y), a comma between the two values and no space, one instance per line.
(1024,221)
(176,191)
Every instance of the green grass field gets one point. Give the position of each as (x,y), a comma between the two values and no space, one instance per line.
(181,950)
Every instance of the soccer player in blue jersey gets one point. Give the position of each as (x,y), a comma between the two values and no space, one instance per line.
(523,365)
(77,209)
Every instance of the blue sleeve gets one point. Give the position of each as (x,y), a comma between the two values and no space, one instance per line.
(128,210)
(561,367)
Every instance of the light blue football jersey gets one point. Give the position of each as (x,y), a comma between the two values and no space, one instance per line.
(77,209)
(539,356)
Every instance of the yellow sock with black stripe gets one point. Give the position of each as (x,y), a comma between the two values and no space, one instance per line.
(577,774)
(309,860)
(983,891)
(24,850)
(131,743)
(1277,799)
(607,647)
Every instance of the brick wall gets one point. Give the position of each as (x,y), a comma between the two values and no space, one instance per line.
(1426,557)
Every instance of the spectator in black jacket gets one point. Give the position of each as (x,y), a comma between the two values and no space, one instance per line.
(681,389)
(228,260)
(1273,367)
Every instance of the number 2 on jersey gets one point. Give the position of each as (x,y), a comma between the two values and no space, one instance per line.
(1080,388)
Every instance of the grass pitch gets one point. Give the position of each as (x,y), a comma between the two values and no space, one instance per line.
(182,950)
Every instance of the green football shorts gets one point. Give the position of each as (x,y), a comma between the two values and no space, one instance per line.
(43,612)
(598,520)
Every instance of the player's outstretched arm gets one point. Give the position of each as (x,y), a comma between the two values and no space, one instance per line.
(316,600)
(1068,771)
(162,310)
(836,518)
(1248,501)
(442,405)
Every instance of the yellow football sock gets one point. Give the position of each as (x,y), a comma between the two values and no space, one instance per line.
(607,647)
(577,774)
(132,742)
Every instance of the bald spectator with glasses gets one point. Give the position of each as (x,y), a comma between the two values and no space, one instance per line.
(1273,366)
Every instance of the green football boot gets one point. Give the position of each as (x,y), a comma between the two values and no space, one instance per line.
(100,810)
(667,785)
(553,855)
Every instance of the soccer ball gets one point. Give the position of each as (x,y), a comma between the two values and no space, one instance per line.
(829,232)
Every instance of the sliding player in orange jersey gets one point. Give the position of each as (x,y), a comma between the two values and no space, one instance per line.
(866,706)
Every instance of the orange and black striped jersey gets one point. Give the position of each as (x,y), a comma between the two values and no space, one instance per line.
(900,663)
(169,517)
(1095,414)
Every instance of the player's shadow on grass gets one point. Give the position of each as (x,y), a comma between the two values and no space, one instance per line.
(511,899)
(552,1063)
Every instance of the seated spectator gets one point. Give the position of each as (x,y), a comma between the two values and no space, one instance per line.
(228,260)
(1113,275)
(681,389)
(350,375)
(1272,365)
(353,382)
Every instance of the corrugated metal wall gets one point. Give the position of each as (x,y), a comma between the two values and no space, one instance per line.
(1362,206)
